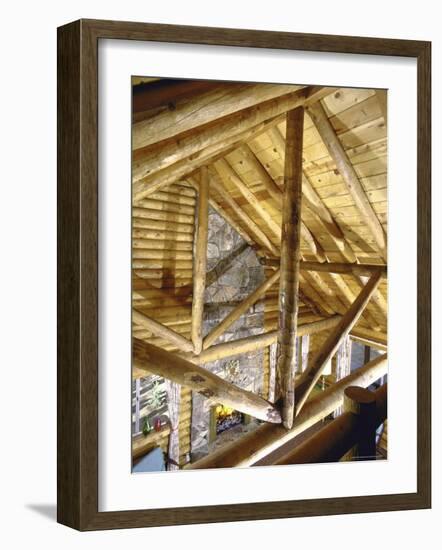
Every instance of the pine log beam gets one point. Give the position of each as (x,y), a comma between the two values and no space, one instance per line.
(265,178)
(313,202)
(323,356)
(382,100)
(257,342)
(290,258)
(254,229)
(334,440)
(222,212)
(162,331)
(146,185)
(181,170)
(200,262)
(348,297)
(316,93)
(370,337)
(143,184)
(203,109)
(336,267)
(254,446)
(251,343)
(168,365)
(365,270)
(227,174)
(276,193)
(153,158)
(348,173)
(378,298)
(239,310)
(166,93)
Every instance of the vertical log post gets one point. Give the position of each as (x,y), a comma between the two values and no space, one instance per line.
(343,365)
(137,404)
(367,353)
(200,262)
(273,359)
(173,406)
(362,402)
(290,258)
(305,345)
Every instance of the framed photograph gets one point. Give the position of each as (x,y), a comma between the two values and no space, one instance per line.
(243,275)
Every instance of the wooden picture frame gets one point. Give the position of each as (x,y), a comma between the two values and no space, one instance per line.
(78,274)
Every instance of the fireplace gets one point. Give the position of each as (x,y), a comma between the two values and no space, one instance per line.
(226,418)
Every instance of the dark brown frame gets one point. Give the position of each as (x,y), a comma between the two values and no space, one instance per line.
(78,274)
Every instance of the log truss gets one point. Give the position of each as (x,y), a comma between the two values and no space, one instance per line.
(312,206)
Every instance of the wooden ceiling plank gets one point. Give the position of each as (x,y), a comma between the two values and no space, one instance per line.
(314,203)
(254,230)
(349,175)
(227,173)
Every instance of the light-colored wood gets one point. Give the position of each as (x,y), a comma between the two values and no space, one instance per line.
(343,365)
(276,193)
(200,262)
(176,149)
(227,174)
(290,258)
(381,96)
(370,335)
(215,389)
(264,177)
(147,184)
(239,310)
(369,342)
(305,347)
(256,342)
(312,201)
(253,227)
(349,175)
(348,297)
(205,108)
(336,267)
(322,357)
(267,438)
(162,331)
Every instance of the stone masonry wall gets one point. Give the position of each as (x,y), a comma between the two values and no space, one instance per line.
(233,272)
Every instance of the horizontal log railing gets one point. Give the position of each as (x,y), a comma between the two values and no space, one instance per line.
(261,442)
(333,441)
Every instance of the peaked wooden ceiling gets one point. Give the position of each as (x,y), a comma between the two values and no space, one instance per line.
(238,131)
